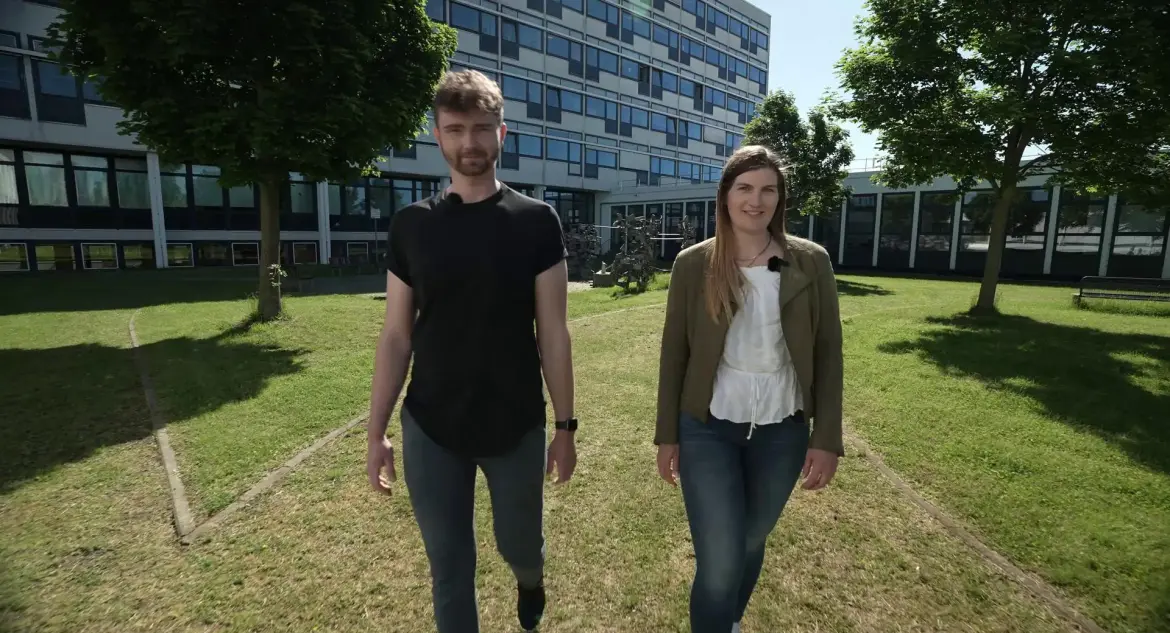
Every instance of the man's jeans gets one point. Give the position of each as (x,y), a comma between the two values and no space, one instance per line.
(441,485)
(734,489)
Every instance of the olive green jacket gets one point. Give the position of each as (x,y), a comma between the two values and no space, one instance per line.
(692,342)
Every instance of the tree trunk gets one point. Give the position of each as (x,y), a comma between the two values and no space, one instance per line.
(269,295)
(995,247)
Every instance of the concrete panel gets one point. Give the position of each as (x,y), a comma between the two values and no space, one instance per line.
(650,195)
(572,19)
(643,136)
(627,86)
(98,132)
(631,160)
(645,46)
(594,27)
(674,12)
(594,126)
(658,51)
(531,170)
(469,42)
(612,82)
(574,123)
(606,179)
(556,174)
(559,67)
(673,100)
(533,60)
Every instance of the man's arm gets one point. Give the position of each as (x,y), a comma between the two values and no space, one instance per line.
(552,334)
(392,356)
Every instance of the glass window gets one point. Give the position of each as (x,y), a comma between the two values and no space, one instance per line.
(575,5)
(596,9)
(661,35)
(1081,213)
(570,101)
(245,254)
(358,251)
(99,256)
(531,37)
(91,180)
(133,186)
(13,258)
(608,62)
(205,181)
(630,69)
(718,97)
(138,255)
(642,27)
(8,192)
(464,17)
(179,256)
(487,24)
(670,82)
(557,150)
(558,46)
(515,88)
(53,80)
(436,10)
(303,197)
(44,174)
(242,197)
(508,31)
(381,198)
(641,118)
(214,254)
(686,88)
(355,198)
(529,145)
(534,90)
(1136,218)
(553,98)
(658,122)
(304,252)
(55,257)
(595,107)
(174,190)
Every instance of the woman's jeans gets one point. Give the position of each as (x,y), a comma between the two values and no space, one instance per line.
(734,489)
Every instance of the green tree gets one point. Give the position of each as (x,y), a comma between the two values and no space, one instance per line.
(262,88)
(967,88)
(818,151)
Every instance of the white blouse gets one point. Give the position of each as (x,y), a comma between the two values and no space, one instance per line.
(756,382)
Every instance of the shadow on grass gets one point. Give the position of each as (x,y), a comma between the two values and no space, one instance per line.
(123,290)
(63,404)
(860,289)
(1082,376)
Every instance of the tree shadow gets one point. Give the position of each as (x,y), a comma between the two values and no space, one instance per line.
(125,290)
(62,404)
(1082,376)
(860,289)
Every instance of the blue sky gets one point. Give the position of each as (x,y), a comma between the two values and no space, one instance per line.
(806,41)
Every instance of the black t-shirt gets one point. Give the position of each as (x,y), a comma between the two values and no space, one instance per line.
(476,385)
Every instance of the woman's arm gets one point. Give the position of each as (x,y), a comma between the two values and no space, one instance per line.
(828,364)
(672,364)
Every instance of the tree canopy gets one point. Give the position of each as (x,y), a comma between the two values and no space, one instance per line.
(818,151)
(999,91)
(262,88)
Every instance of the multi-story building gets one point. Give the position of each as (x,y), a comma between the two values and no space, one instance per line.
(614,108)
(600,96)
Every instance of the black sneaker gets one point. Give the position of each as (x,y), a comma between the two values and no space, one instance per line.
(530,606)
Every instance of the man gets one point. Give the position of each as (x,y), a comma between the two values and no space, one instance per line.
(476,264)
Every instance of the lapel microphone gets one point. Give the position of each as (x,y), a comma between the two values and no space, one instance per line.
(775,264)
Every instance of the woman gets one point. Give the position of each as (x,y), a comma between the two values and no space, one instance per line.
(751,351)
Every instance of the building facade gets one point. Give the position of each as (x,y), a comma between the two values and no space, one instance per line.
(600,97)
(614,108)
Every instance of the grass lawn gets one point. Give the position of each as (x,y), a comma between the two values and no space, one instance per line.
(86,537)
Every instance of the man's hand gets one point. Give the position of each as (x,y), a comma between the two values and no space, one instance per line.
(379,457)
(819,468)
(668,463)
(562,455)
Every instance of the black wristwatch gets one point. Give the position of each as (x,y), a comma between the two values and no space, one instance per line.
(569,425)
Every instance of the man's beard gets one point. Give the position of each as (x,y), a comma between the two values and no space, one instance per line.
(472,164)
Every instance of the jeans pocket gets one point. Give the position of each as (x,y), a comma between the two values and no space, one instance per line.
(692,429)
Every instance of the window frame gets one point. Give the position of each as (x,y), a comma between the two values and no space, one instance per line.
(85,256)
(190,254)
(236,264)
(27,261)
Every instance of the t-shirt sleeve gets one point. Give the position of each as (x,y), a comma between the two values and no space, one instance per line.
(397,261)
(549,240)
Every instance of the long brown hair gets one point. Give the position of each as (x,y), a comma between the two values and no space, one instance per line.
(724,279)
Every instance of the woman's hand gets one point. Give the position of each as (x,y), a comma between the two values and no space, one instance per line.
(819,468)
(668,463)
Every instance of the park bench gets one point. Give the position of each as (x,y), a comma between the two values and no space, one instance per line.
(1123,288)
